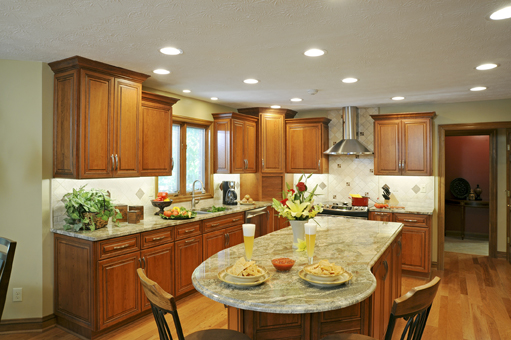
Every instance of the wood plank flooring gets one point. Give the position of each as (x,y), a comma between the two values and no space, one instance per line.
(473,303)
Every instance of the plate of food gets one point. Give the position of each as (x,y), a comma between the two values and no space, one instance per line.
(178,213)
(244,274)
(325,274)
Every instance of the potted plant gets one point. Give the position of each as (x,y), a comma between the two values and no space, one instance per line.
(89,209)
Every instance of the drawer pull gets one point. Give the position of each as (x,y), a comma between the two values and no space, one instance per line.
(188,241)
(214,224)
(121,247)
(189,230)
(158,238)
(235,219)
(410,220)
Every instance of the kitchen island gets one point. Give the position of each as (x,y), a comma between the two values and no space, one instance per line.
(287,307)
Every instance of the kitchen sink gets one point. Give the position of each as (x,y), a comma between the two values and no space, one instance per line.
(204,211)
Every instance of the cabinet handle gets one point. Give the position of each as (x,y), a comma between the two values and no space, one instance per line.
(228,239)
(158,238)
(235,219)
(143,260)
(410,220)
(122,247)
(188,241)
(139,263)
(116,162)
(386,265)
(400,248)
(319,163)
(225,242)
(263,162)
(113,162)
(246,164)
(189,230)
(172,165)
(214,224)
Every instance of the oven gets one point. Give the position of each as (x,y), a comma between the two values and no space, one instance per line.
(345,210)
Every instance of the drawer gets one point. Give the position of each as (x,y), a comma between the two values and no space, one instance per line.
(188,230)
(118,246)
(157,237)
(223,221)
(412,219)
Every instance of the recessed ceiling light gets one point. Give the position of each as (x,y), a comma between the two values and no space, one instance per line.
(171,51)
(349,80)
(161,71)
(484,67)
(398,98)
(214,98)
(275,106)
(503,13)
(250,81)
(187,91)
(478,88)
(296,99)
(314,52)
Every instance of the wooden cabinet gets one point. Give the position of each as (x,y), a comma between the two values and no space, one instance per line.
(221,233)
(156,135)
(416,242)
(158,263)
(306,140)
(397,258)
(188,257)
(403,144)
(235,141)
(95,119)
(380,216)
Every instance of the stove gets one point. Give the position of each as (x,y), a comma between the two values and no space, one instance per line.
(345,210)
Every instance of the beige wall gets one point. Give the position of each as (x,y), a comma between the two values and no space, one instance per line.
(26,91)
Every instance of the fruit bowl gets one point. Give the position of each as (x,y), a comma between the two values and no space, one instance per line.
(161,205)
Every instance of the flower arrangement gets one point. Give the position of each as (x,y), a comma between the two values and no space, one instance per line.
(298,204)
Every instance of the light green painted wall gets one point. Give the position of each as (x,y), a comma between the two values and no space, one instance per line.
(194,108)
(26,92)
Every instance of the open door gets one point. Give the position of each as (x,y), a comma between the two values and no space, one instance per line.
(508,188)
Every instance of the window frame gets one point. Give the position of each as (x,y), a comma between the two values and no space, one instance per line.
(207,125)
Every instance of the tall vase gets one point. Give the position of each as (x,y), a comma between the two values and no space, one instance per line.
(298,231)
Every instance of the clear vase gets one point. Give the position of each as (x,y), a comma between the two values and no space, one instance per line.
(298,231)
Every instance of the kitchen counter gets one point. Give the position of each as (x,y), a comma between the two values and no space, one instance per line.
(150,222)
(408,209)
(354,244)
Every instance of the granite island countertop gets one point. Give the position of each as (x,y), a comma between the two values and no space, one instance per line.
(352,243)
(150,222)
(408,209)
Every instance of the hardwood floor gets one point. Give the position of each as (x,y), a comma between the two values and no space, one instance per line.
(473,302)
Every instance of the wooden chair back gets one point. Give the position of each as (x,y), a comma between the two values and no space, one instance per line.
(6,259)
(161,303)
(414,307)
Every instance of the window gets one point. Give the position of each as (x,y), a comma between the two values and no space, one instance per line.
(191,154)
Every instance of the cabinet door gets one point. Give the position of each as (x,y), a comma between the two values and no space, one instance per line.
(158,264)
(96,144)
(119,289)
(415,147)
(238,146)
(380,216)
(250,151)
(303,148)
(234,236)
(155,140)
(415,246)
(188,257)
(222,150)
(386,147)
(127,109)
(272,144)
(397,267)
(213,242)
(377,319)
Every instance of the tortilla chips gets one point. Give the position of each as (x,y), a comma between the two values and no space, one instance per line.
(244,268)
(325,268)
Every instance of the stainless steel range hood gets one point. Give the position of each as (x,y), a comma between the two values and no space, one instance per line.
(349,145)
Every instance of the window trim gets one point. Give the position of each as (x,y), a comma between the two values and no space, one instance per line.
(208,177)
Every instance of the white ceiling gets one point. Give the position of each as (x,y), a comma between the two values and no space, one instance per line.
(425,50)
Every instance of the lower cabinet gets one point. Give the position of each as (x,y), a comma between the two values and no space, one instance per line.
(383,296)
(380,216)
(216,241)
(159,266)
(188,257)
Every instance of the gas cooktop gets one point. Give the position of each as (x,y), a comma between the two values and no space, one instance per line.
(345,210)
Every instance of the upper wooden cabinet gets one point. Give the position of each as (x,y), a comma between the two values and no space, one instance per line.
(272,131)
(95,119)
(235,141)
(403,144)
(306,140)
(156,135)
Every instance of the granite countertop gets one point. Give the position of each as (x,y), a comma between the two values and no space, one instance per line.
(150,222)
(408,209)
(354,244)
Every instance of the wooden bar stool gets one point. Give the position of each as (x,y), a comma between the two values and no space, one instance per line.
(6,260)
(163,303)
(414,306)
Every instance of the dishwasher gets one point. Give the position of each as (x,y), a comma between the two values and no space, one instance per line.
(256,216)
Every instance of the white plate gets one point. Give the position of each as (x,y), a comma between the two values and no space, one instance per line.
(223,276)
(246,203)
(343,278)
(321,278)
(244,279)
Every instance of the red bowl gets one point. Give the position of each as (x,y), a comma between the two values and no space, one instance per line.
(283,264)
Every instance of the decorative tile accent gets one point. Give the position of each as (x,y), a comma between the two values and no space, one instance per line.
(140,193)
(322,185)
(416,189)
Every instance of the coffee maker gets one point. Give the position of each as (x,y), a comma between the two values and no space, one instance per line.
(228,194)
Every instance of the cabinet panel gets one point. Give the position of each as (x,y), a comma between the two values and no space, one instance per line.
(397,249)
(222,151)
(238,150)
(380,216)
(298,139)
(416,147)
(96,124)
(272,143)
(158,264)
(250,144)
(235,236)
(188,257)
(415,242)
(119,289)
(386,147)
(213,243)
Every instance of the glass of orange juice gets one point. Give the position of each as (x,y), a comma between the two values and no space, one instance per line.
(248,239)
(310,240)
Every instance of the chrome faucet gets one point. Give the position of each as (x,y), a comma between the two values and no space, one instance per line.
(196,200)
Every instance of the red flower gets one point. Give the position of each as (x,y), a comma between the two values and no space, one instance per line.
(284,201)
(292,191)
(301,186)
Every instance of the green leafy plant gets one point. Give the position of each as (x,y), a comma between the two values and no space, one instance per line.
(216,209)
(80,203)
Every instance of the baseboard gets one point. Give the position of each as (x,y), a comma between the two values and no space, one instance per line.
(27,325)
(501,255)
